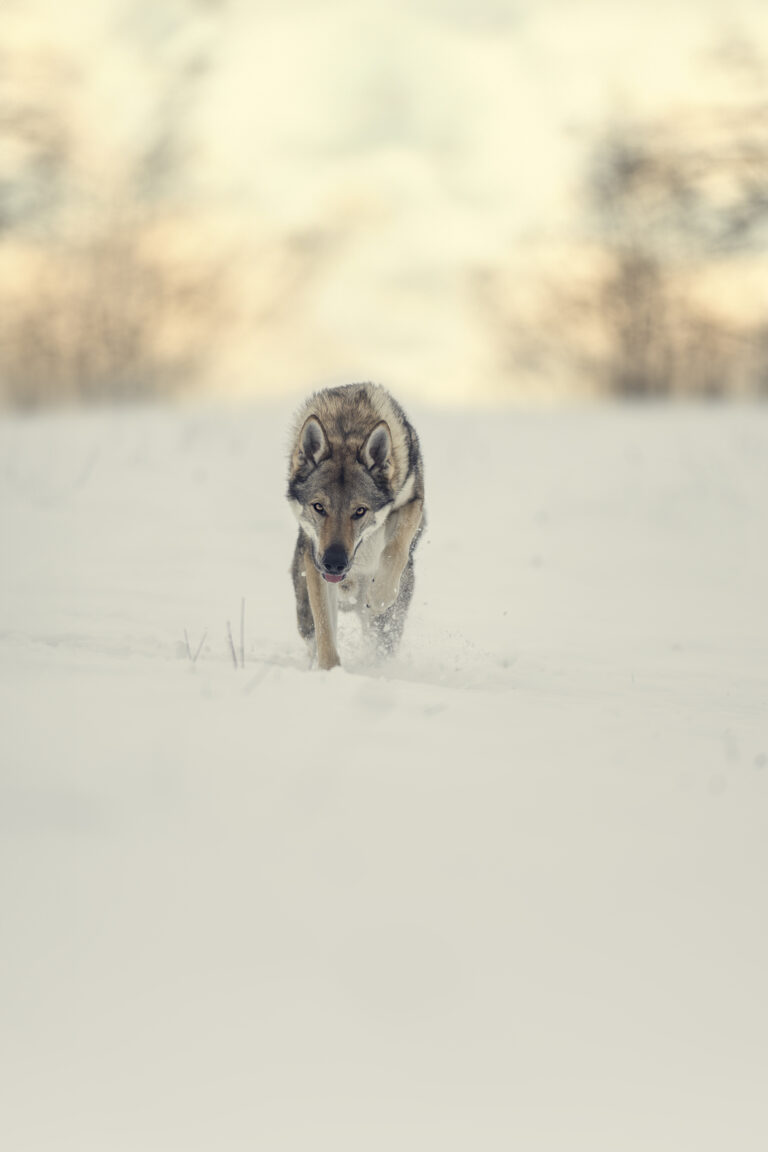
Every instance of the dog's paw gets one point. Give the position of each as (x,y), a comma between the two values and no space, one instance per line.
(328,659)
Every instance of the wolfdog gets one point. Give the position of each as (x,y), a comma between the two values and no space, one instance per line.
(356,486)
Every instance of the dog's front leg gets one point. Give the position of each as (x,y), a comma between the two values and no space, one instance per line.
(402,526)
(324,613)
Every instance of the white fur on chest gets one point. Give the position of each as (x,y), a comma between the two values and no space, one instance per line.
(353,590)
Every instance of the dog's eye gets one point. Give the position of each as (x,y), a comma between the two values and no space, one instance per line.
(359,513)
(319,509)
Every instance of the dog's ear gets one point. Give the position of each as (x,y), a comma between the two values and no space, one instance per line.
(377,450)
(313,443)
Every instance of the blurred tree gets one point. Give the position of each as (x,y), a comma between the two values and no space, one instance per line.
(35,149)
(669,198)
(98,296)
(695,186)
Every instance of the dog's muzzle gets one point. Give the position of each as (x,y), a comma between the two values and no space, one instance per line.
(335,564)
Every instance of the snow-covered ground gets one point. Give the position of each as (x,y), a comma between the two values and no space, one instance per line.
(506,892)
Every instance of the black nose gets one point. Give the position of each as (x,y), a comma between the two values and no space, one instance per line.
(335,560)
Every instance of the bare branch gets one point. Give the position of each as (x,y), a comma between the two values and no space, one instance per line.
(231,644)
(242,633)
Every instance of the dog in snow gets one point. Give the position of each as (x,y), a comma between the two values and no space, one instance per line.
(356,486)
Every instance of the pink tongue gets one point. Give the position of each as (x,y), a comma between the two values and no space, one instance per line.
(332,579)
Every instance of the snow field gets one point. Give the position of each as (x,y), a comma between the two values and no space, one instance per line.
(507,890)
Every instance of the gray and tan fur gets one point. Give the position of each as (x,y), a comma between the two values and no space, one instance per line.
(356,486)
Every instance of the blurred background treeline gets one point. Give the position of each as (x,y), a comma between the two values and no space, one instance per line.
(465,199)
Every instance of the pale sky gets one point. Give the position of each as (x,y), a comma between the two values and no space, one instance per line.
(491,101)
(428,136)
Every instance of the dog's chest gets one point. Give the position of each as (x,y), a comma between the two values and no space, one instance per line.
(366,564)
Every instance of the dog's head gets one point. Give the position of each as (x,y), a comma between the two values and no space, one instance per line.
(340,491)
